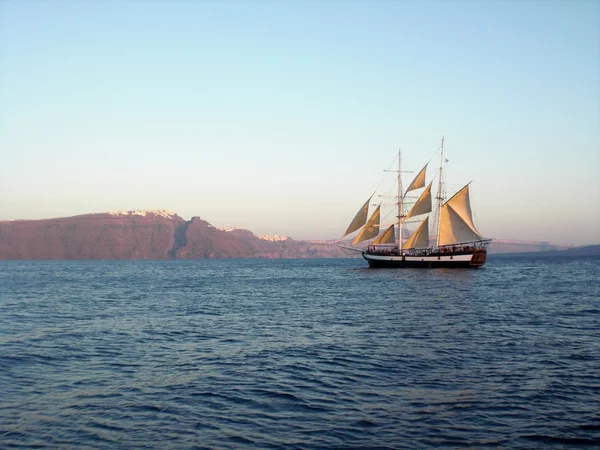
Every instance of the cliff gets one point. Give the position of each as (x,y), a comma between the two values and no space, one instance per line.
(143,235)
(132,235)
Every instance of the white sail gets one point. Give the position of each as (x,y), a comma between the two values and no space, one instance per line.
(456,220)
(418,182)
(371,229)
(422,205)
(359,219)
(387,237)
(420,238)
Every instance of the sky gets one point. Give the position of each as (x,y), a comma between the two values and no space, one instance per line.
(279,116)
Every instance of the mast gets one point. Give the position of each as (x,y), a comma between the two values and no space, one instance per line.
(400,212)
(440,195)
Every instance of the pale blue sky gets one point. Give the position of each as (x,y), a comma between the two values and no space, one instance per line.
(279,116)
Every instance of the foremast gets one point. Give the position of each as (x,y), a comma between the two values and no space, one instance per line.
(400,200)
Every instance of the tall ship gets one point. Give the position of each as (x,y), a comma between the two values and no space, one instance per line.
(450,239)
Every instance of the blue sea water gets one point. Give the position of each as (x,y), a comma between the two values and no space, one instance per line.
(299,354)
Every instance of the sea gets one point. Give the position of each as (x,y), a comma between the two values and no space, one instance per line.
(299,354)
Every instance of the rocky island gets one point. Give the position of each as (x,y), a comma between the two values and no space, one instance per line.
(144,234)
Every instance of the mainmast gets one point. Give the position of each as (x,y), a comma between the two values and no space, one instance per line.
(440,194)
(400,212)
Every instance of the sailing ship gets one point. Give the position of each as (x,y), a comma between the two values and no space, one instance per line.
(453,243)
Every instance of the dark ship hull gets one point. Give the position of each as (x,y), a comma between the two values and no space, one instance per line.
(464,259)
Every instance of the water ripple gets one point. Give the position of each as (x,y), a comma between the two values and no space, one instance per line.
(299,354)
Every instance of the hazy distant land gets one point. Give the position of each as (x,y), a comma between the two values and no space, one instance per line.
(165,235)
(587,250)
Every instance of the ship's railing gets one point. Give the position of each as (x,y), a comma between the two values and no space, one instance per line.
(462,248)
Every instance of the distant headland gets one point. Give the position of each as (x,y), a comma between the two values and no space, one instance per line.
(159,234)
(144,234)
